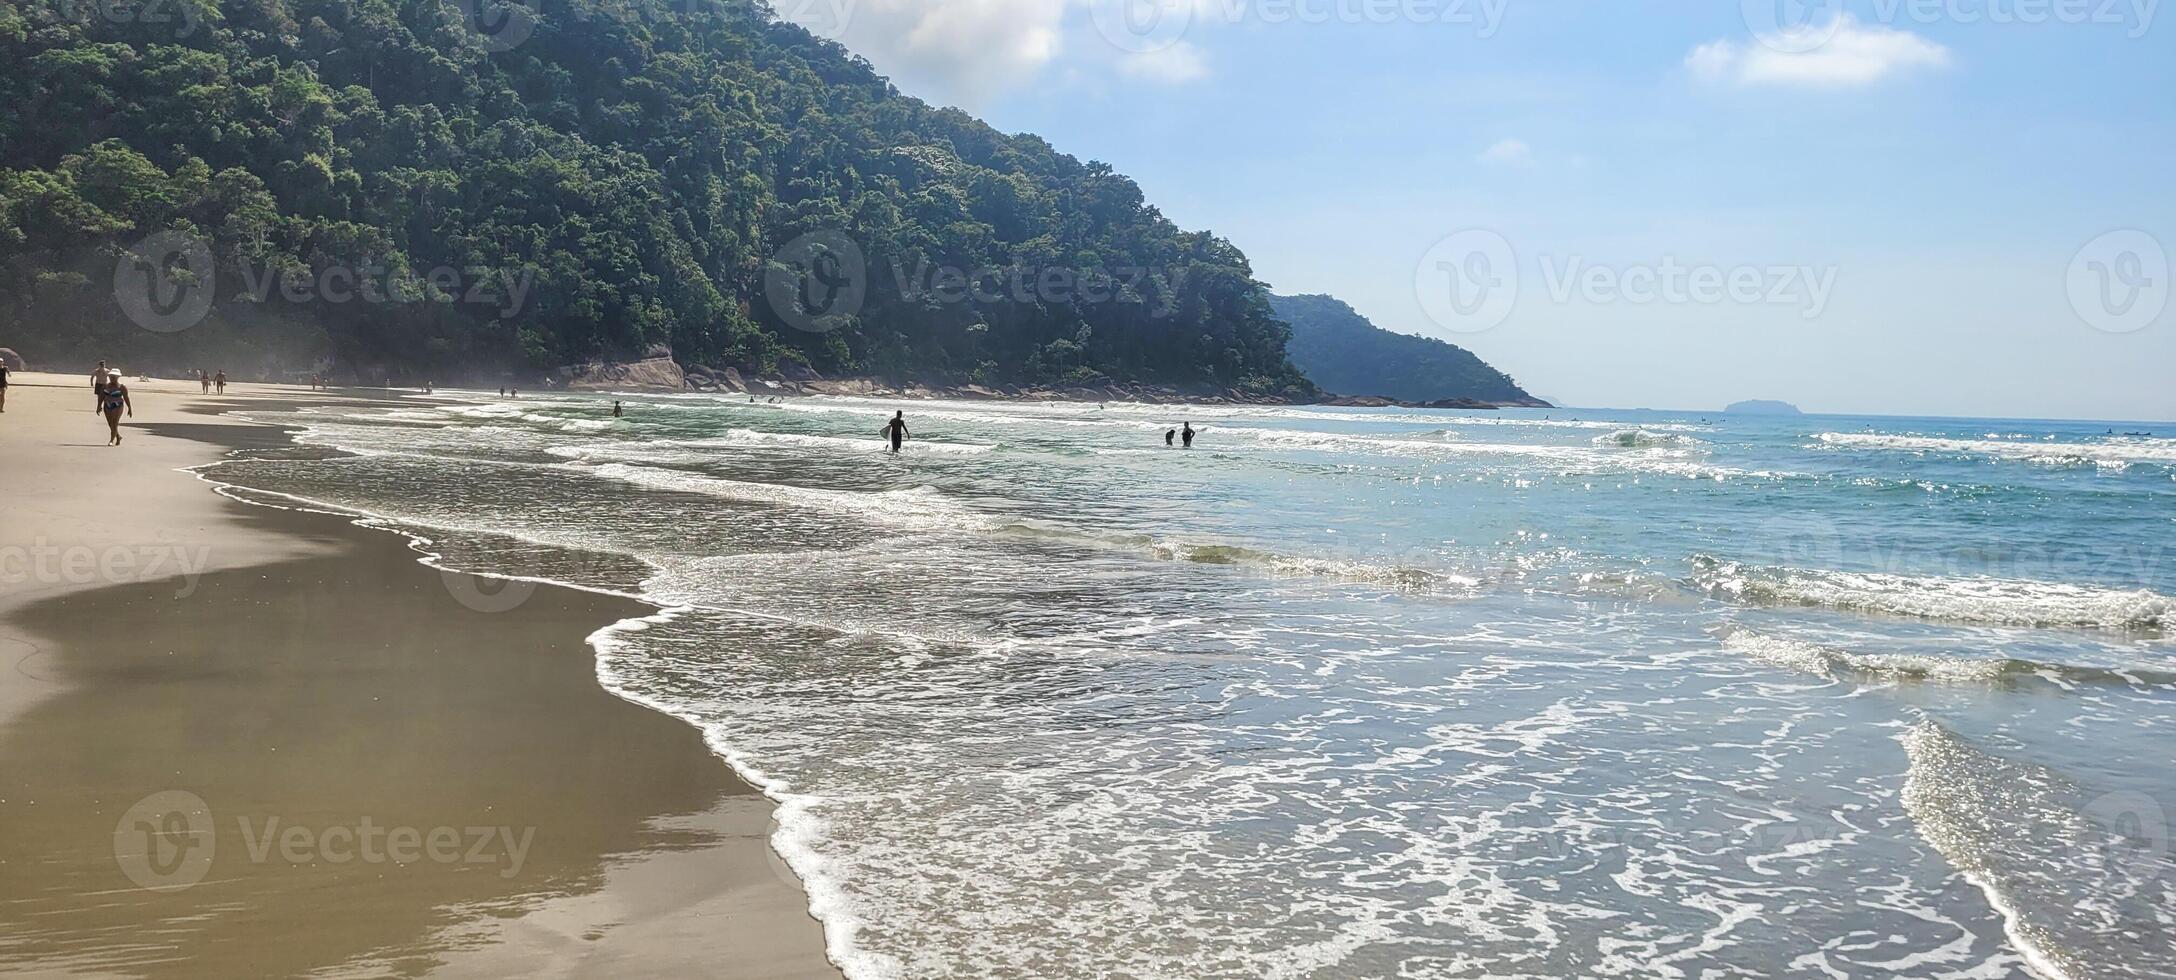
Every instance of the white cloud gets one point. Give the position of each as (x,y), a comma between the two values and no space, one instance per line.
(1180,62)
(958,52)
(1509,152)
(1842,54)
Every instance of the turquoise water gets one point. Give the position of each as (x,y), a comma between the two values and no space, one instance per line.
(1371,692)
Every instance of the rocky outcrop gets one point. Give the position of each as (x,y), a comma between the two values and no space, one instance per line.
(648,373)
(715,379)
(13,360)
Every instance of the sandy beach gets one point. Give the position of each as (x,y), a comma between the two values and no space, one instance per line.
(243,741)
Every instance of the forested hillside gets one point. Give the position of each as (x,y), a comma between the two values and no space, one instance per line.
(401,187)
(1345,353)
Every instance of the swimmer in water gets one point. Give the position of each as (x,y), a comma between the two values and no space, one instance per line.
(896,430)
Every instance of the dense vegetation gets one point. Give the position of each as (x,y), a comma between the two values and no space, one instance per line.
(1345,353)
(634,165)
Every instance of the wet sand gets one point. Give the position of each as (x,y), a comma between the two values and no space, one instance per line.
(308,755)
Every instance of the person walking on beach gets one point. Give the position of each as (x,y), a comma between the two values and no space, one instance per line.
(1187,433)
(896,429)
(3,387)
(1170,434)
(204,381)
(98,375)
(112,398)
(219,381)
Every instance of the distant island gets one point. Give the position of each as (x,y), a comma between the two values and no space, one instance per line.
(1344,352)
(1760,406)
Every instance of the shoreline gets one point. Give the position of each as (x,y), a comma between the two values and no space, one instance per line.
(307,681)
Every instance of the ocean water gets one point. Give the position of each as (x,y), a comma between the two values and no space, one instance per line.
(1369,692)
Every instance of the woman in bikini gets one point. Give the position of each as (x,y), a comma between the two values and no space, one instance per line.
(112,399)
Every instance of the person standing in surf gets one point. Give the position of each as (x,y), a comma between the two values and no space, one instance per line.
(1186,433)
(1170,434)
(896,430)
(112,398)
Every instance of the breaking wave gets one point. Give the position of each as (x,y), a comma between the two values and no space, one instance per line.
(1645,439)
(1987,601)
(2111,454)
(1845,665)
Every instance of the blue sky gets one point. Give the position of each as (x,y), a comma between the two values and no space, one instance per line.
(1944,171)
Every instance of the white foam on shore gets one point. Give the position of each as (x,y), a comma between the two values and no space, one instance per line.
(800,829)
(1974,806)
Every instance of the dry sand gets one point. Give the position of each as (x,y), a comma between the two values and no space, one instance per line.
(319,761)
